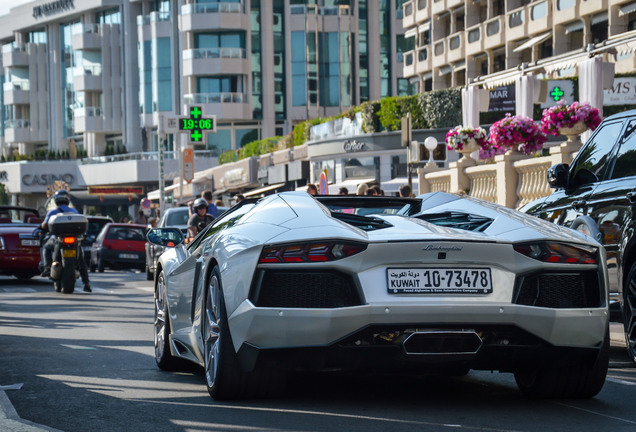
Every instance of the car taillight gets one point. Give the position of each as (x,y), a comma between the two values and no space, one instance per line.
(558,253)
(309,252)
(68,240)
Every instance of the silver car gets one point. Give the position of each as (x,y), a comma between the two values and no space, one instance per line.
(434,284)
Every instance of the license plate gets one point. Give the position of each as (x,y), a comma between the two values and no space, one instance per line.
(128,256)
(27,242)
(443,280)
(69,253)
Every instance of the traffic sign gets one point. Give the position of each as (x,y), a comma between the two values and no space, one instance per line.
(323,188)
(188,164)
(145,203)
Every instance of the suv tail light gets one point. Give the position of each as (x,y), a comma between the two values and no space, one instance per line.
(558,252)
(309,252)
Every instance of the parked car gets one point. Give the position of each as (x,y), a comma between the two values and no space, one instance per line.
(176,217)
(119,245)
(437,283)
(95,225)
(596,195)
(19,241)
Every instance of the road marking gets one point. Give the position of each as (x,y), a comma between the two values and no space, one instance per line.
(596,412)
(147,289)
(19,290)
(79,347)
(11,387)
(620,381)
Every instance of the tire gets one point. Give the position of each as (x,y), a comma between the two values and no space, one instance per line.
(629,312)
(163,356)
(568,378)
(68,278)
(24,276)
(149,274)
(225,379)
(57,284)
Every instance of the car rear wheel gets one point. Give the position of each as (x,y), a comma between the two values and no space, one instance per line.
(568,378)
(629,312)
(225,379)
(164,358)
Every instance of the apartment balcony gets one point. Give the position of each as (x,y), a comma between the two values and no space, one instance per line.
(593,7)
(517,24)
(18,130)
(441,6)
(87,78)
(211,61)
(422,11)
(474,39)
(566,11)
(540,18)
(222,105)
(16,93)
(205,16)
(87,37)
(423,61)
(456,47)
(408,14)
(88,119)
(14,55)
(409,64)
(156,24)
(495,36)
(440,56)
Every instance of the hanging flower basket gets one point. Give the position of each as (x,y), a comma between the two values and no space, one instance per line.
(571,119)
(518,133)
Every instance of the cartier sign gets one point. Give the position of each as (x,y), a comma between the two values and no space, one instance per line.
(353,146)
(46,179)
(53,7)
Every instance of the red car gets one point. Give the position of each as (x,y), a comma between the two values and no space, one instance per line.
(119,245)
(19,241)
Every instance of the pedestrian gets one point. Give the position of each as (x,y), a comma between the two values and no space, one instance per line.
(219,203)
(343,191)
(125,219)
(378,191)
(312,189)
(405,191)
(141,218)
(200,219)
(239,198)
(371,192)
(362,189)
(212,209)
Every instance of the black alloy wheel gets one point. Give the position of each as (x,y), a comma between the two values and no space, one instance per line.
(629,312)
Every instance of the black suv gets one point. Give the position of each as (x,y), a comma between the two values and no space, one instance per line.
(596,194)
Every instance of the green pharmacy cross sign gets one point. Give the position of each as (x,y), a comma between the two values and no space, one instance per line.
(557,94)
(196,124)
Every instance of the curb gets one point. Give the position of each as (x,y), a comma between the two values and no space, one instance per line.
(10,421)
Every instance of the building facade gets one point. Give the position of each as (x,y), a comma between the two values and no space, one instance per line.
(462,42)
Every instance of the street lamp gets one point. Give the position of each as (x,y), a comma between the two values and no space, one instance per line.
(431,144)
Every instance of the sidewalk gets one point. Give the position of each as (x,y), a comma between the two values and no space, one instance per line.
(10,421)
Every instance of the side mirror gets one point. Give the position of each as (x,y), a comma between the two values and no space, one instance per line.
(169,237)
(558,176)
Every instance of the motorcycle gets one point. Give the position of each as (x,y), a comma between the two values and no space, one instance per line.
(68,229)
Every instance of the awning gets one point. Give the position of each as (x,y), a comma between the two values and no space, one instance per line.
(393,186)
(410,32)
(533,41)
(627,9)
(263,189)
(444,70)
(573,26)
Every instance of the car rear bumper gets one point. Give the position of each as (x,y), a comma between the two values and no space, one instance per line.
(119,257)
(12,263)
(293,328)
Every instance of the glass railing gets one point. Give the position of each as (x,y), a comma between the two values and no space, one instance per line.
(16,85)
(85,28)
(87,112)
(12,47)
(212,53)
(212,98)
(168,154)
(143,20)
(87,70)
(17,124)
(159,16)
(338,127)
(221,7)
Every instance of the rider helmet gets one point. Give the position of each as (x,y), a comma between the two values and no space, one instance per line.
(200,202)
(61,197)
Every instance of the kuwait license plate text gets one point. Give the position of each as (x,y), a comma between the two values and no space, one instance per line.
(439,281)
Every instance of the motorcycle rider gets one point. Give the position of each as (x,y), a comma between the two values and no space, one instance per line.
(62,200)
(200,219)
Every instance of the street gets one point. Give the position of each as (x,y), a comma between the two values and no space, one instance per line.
(85,362)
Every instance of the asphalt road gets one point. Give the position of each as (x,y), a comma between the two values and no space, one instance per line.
(84,362)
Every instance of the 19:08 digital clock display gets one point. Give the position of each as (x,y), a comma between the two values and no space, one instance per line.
(192,124)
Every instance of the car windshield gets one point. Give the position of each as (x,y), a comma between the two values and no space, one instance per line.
(177,217)
(95,226)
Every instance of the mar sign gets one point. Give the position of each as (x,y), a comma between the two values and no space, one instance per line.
(196,125)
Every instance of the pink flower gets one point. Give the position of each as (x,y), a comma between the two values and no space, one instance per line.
(518,131)
(562,115)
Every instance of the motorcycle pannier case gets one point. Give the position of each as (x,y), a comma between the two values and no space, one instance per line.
(69,224)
